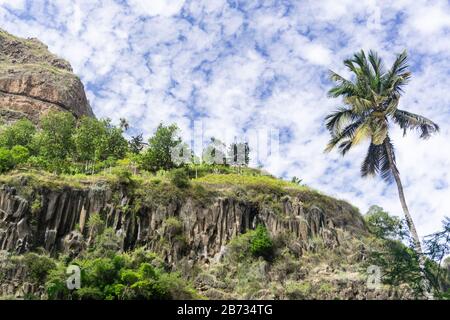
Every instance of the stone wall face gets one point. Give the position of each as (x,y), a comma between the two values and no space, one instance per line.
(34,82)
(60,222)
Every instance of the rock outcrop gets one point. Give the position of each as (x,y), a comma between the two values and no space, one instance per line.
(56,220)
(34,81)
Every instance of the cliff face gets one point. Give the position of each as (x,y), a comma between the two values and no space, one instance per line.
(188,233)
(33,81)
(56,220)
(320,241)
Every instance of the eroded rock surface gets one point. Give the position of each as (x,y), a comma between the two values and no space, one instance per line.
(56,220)
(34,81)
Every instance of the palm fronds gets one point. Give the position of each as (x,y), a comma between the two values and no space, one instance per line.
(408,120)
(371,100)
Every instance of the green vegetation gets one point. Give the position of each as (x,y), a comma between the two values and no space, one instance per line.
(253,243)
(261,244)
(400,263)
(106,274)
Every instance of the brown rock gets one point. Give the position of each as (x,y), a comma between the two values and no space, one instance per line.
(34,81)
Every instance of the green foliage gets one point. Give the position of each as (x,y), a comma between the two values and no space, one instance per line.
(6,160)
(99,140)
(121,277)
(253,243)
(261,244)
(89,137)
(383,225)
(20,154)
(173,226)
(180,178)
(55,140)
(159,153)
(124,175)
(400,263)
(38,266)
(18,134)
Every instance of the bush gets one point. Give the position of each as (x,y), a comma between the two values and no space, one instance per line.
(20,154)
(180,178)
(261,244)
(253,243)
(6,160)
(38,266)
(121,276)
(173,226)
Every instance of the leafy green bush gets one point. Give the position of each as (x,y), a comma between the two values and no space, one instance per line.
(19,133)
(180,178)
(261,244)
(383,225)
(120,277)
(38,266)
(20,154)
(6,160)
(173,226)
(253,243)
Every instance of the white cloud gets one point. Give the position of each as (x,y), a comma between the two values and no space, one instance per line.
(13,4)
(165,8)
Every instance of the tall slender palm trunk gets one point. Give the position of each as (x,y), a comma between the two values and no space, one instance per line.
(409,220)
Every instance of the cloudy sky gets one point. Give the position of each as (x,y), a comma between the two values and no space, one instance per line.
(239,66)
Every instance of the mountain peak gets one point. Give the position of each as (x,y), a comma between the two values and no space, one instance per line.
(34,81)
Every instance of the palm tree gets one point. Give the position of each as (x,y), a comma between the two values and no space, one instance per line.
(371,104)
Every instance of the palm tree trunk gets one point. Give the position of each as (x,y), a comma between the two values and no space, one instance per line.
(409,220)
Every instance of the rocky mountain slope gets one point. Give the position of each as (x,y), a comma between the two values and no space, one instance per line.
(319,241)
(34,81)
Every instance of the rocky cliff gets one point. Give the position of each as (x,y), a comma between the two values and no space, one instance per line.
(34,81)
(320,242)
(56,220)
(319,239)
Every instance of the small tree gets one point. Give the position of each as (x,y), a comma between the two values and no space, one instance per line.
(159,153)
(54,141)
(18,134)
(383,225)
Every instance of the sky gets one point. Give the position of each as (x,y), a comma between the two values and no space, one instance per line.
(239,67)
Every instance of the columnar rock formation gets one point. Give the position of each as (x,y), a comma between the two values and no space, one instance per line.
(58,222)
(33,81)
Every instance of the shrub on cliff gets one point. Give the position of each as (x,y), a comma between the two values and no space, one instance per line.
(253,243)
(180,178)
(6,160)
(120,277)
(261,244)
(20,154)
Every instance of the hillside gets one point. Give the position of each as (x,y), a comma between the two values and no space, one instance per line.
(202,231)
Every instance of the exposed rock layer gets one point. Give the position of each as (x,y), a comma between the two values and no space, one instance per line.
(58,222)
(33,81)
